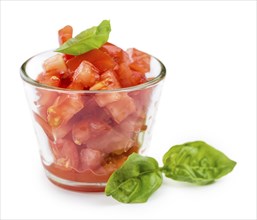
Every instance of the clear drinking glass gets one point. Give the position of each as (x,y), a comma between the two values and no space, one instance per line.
(84,136)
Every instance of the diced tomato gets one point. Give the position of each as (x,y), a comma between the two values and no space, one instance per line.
(114,162)
(86,74)
(122,108)
(131,126)
(119,55)
(128,77)
(111,77)
(98,58)
(65,34)
(45,99)
(88,128)
(61,131)
(63,109)
(49,80)
(81,132)
(111,141)
(66,154)
(107,98)
(75,86)
(140,60)
(44,125)
(98,127)
(90,159)
(108,82)
(142,99)
(55,63)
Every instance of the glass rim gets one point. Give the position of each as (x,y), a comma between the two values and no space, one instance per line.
(148,84)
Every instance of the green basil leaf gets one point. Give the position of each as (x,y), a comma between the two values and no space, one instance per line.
(196,162)
(135,180)
(87,40)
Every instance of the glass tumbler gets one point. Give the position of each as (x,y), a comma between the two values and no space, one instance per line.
(85,135)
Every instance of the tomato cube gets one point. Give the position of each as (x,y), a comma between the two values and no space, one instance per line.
(128,77)
(50,80)
(66,154)
(101,60)
(111,142)
(65,34)
(44,125)
(122,108)
(63,109)
(55,63)
(86,74)
(81,132)
(140,60)
(61,131)
(119,55)
(90,159)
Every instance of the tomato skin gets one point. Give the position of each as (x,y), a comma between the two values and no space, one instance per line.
(98,58)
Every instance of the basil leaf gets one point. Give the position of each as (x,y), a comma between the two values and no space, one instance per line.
(196,162)
(87,40)
(135,180)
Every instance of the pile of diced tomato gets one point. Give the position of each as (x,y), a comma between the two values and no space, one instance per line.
(92,134)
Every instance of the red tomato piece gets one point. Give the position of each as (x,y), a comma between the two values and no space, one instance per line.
(140,60)
(128,77)
(86,74)
(131,126)
(111,141)
(90,159)
(63,109)
(44,125)
(142,99)
(88,128)
(61,131)
(122,108)
(107,98)
(119,55)
(108,81)
(101,60)
(50,80)
(81,132)
(66,154)
(98,127)
(65,34)
(75,86)
(55,63)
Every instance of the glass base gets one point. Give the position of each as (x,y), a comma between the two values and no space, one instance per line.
(75,186)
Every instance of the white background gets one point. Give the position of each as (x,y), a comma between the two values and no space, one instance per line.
(209,49)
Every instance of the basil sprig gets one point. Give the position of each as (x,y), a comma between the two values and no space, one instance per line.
(194,162)
(87,40)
